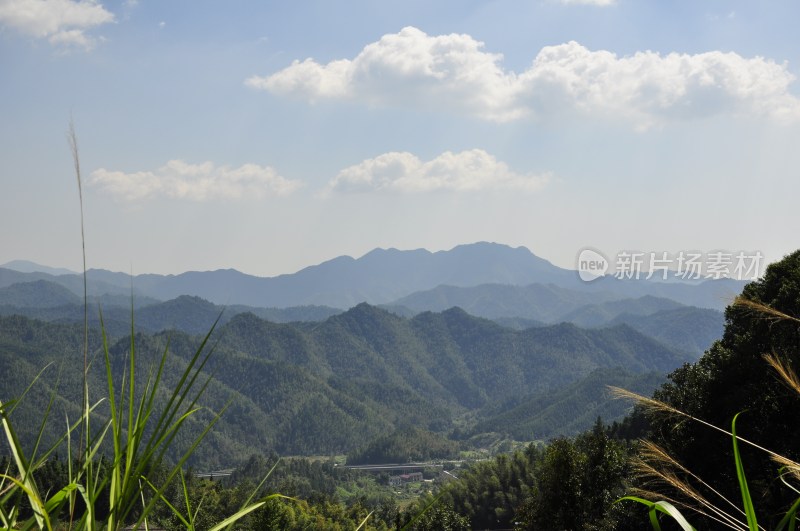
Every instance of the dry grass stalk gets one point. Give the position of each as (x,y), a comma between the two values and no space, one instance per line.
(662,469)
(767,312)
(690,498)
(792,468)
(654,454)
(658,406)
(785,372)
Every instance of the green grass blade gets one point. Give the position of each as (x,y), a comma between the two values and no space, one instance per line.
(13,404)
(186,499)
(669,509)
(164,440)
(166,424)
(790,518)
(116,429)
(653,515)
(261,484)
(663,507)
(131,445)
(60,497)
(747,501)
(241,513)
(423,511)
(184,384)
(46,414)
(253,494)
(40,516)
(179,466)
(158,374)
(28,485)
(171,507)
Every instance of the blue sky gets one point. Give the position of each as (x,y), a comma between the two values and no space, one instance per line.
(267,136)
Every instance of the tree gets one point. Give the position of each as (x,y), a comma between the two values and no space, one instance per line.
(733,377)
(578,481)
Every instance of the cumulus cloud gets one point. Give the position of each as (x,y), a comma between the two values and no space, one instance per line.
(62,22)
(648,88)
(411,68)
(467,171)
(408,67)
(194,182)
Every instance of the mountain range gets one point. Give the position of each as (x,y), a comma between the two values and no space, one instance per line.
(685,328)
(481,338)
(331,386)
(382,276)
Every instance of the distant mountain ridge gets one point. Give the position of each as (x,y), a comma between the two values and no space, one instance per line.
(378,277)
(26,266)
(48,301)
(385,276)
(574,303)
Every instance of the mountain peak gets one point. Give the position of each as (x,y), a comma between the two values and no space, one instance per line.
(366,310)
(26,266)
(37,294)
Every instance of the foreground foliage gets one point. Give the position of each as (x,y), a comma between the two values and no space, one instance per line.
(568,484)
(138,424)
(754,481)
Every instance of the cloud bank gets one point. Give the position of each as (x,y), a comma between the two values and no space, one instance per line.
(467,171)
(61,22)
(194,182)
(454,72)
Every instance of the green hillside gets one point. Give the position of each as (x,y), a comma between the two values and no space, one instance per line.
(688,328)
(568,411)
(331,387)
(49,301)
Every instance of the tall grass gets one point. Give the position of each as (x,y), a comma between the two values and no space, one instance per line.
(139,430)
(140,422)
(134,480)
(658,465)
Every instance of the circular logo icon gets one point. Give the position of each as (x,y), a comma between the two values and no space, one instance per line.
(591,265)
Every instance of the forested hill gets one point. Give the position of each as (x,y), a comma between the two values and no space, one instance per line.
(334,385)
(688,329)
(49,301)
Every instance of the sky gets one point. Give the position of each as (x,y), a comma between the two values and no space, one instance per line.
(269,136)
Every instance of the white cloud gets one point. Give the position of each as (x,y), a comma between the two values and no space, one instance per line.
(72,38)
(194,182)
(411,68)
(467,171)
(62,22)
(647,88)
